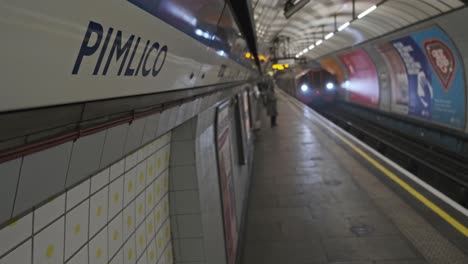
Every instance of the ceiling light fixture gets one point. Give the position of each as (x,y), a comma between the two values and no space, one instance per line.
(311,46)
(365,13)
(345,25)
(329,35)
(318,43)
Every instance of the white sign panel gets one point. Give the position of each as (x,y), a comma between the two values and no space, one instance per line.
(56,52)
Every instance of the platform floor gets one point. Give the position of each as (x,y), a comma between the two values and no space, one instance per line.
(311,202)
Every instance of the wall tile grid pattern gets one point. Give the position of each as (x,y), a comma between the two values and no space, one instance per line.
(184,196)
(120,215)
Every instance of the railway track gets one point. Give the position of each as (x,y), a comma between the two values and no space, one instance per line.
(442,169)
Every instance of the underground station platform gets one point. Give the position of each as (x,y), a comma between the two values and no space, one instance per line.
(319,195)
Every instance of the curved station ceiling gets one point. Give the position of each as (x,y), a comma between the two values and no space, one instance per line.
(321,26)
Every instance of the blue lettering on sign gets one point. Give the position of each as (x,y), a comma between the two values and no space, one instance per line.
(120,50)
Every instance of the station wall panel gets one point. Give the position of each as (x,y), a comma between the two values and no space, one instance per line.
(113,216)
(426,69)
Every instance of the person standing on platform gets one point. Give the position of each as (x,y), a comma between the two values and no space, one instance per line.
(271,105)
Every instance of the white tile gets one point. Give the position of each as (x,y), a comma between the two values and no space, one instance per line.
(135,134)
(150,127)
(98,211)
(140,236)
(158,161)
(10,172)
(117,169)
(183,151)
(174,226)
(129,220)
(183,178)
(13,234)
(158,214)
(172,202)
(192,249)
(129,251)
(131,160)
(115,234)
(48,244)
(98,248)
(142,153)
(21,255)
(189,225)
(165,182)
(158,193)
(114,144)
(157,143)
(150,228)
(150,168)
(151,148)
(118,258)
(76,229)
(85,157)
(159,243)
(151,255)
(187,202)
(142,259)
(167,232)
(49,212)
(78,194)
(165,207)
(141,177)
(167,156)
(140,208)
(130,185)
(99,180)
(149,193)
(167,138)
(169,255)
(81,257)
(115,197)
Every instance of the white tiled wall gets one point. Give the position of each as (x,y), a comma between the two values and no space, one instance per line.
(119,216)
(185,202)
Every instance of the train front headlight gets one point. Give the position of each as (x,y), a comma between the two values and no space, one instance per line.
(304,87)
(330,85)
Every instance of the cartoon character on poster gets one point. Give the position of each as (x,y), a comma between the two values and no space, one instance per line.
(419,77)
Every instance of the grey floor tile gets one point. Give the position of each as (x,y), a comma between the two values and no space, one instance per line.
(345,249)
(284,252)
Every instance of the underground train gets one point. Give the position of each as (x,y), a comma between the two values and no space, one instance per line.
(315,86)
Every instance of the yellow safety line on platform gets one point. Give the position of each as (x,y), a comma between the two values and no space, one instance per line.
(436,209)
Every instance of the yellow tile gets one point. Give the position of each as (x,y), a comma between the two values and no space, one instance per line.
(76,229)
(49,244)
(13,234)
(98,248)
(20,255)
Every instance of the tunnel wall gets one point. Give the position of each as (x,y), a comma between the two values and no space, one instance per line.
(403,61)
(168,160)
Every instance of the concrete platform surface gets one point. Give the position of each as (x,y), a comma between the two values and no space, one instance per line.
(311,202)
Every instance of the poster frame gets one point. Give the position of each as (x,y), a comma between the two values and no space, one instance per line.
(230,256)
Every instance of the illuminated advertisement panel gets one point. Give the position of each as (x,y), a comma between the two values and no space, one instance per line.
(436,84)
(363,81)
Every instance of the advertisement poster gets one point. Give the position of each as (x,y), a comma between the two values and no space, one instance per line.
(363,81)
(332,66)
(223,143)
(398,79)
(436,84)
